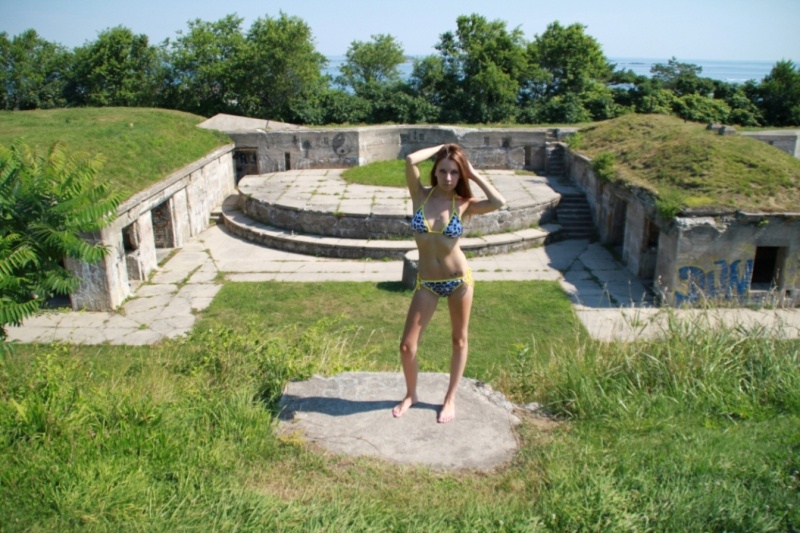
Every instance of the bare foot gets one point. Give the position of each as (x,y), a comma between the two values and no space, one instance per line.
(448,412)
(401,408)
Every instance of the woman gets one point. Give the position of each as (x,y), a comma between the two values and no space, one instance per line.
(443,271)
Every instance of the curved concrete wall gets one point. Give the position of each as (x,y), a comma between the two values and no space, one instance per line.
(509,148)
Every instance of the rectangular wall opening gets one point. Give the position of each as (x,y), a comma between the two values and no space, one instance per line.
(287,161)
(649,252)
(245,163)
(58,301)
(767,267)
(619,215)
(163,232)
(130,245)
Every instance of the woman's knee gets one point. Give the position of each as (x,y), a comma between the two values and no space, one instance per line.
(459,341)
(408,349)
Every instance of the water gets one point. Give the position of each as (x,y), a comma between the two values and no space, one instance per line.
(723,70)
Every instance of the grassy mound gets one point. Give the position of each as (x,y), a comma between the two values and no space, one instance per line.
(689,166)
(141,146)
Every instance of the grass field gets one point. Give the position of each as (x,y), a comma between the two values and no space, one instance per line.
(700,432)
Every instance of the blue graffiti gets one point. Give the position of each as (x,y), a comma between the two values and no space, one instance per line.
(702,284)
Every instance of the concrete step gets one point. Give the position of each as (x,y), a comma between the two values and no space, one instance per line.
(575,216)
(243,226)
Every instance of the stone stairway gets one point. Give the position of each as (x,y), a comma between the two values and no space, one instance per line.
(575,217)
(555,160)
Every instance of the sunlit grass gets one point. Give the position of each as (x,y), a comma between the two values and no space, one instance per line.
(697,432)
(698,167)
(141,146)
(385,173)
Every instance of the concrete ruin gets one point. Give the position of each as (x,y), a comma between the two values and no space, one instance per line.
(700,259)
(744,258)
(163,216)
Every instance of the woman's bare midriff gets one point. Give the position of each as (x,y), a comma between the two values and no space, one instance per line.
(440,257)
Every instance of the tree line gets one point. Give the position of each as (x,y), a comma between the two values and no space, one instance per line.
(483,72)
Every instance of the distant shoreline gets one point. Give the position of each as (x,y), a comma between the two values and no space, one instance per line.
(728,70)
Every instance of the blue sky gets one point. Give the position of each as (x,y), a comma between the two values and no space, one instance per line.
(765,30)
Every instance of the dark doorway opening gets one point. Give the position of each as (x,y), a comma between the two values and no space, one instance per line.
(766,268)
(649,254)
(163,233)
(245,162)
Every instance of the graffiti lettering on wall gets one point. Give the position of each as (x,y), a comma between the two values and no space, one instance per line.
(733,281)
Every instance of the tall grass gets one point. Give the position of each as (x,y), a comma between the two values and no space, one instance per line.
(142,443)
(696,368)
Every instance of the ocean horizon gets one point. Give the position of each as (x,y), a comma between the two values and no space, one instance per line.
(731,71)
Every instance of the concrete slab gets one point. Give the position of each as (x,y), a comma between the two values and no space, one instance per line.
(31,334)
(156,289)
(350,413)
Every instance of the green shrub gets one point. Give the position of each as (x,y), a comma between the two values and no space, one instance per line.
(603,165)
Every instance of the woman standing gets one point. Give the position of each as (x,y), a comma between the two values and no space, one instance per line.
(443,270)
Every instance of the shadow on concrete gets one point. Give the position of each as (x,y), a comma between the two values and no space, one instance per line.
(349,414)
(338,406)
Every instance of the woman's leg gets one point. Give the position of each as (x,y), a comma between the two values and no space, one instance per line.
(420,312)
(460,304)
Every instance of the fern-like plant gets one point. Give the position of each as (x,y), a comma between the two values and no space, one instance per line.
(49,205)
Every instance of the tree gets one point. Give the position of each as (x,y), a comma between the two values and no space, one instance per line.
(33,72)
(333,106)
(430,81)
(778,95)
(118,69)
(371,62)
(207,68)
(283,69)
(570,61)
(743,111)
(477,75)
(46,205)
(569,68)
(698,108)
(682,78)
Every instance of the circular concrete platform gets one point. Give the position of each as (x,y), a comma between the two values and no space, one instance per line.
(322,203)
(350,413)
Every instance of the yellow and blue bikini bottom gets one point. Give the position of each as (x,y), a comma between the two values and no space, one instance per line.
(446,287)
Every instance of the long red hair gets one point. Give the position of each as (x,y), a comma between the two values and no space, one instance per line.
(459,157)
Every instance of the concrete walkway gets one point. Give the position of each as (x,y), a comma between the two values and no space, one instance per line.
(610,302)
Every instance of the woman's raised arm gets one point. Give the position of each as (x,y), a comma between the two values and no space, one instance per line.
(412,168)
(494,200)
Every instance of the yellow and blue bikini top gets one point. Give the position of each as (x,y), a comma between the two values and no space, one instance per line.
(453,229)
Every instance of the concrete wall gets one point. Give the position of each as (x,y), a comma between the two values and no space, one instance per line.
(692,259)
(348,147)
(190,193)
(786,140)
(713,258)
